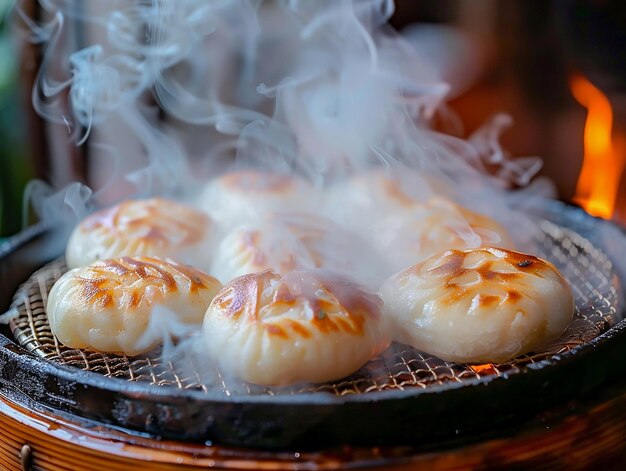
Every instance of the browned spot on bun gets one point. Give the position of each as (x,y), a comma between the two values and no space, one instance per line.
(513,296)
(354,328)
(336,305)
(276,330)
(134,300)
(353,298)
(451,267)
(102,278)
(298,328)
(112,266)
(326,322)
(284,296)
(524,262)
(487,300)
(240,297)
(95,292)
(157,222)
(197,279)
(147,269)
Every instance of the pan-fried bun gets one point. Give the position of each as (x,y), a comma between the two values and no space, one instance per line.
(481,305)
(107,306)
(302,327)
(367,197)
(288,242)
(439,224)
(248,194)
(154,227)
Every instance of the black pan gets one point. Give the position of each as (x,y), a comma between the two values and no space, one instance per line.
(424,417)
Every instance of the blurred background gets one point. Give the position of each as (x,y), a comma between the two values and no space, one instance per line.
(557,67)
(16,158)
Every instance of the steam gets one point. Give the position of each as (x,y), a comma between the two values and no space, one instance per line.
(320,88)
(164,327)
(323,90)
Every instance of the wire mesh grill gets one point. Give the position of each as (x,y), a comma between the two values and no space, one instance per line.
(589,271)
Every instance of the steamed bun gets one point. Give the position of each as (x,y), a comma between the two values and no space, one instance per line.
(107,306)
(367,197)
(287,242)
(246,195)
(154,227)
(438,224)
(480,305)
(302,327)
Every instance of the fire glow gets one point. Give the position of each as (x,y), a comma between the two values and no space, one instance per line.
(598,183)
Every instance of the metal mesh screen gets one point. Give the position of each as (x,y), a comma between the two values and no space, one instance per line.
(589,271)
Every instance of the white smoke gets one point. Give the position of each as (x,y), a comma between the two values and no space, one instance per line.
(166,94)
(323,87)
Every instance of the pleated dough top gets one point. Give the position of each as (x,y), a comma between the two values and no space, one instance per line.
(108,306)
(154,227)
(302,327)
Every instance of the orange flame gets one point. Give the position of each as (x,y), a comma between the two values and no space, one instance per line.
(598,183)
